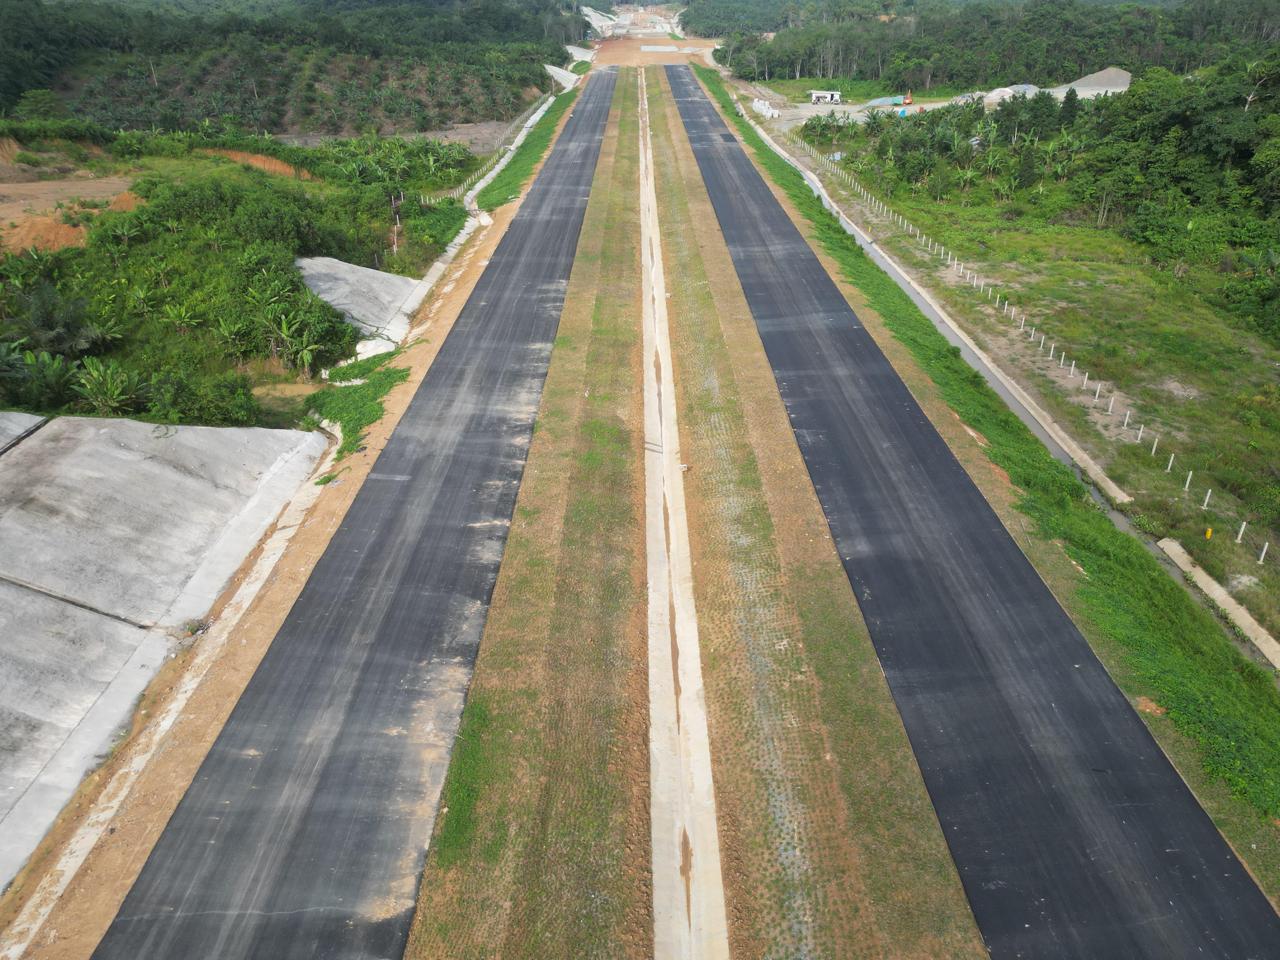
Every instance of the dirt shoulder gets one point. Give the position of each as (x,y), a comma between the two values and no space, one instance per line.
(830,843)
(541,846)
(83,912)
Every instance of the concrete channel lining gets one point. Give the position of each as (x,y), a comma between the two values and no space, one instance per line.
(15,426)
(112,534)
(141,522)
(378,303)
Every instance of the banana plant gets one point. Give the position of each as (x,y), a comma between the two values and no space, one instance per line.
(107,389)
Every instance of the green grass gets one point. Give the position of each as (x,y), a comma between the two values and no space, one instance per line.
(357,406)
(1156,640)
(506,186)
(581,66)
(473,769)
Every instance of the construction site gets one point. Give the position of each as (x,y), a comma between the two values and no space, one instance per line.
(677,603)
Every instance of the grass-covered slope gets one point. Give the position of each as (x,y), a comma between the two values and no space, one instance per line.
(506,186)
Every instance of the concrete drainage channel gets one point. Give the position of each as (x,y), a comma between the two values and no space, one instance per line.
(688,891)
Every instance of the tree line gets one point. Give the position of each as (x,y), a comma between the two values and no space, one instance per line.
(987,44)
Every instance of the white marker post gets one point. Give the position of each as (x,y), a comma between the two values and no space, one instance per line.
(1153,445)
(1207,494)
(1111,404)
(1125,425)
(1169,468)
(1097,393)
(1141,427)
(1263,555)
(1187,486)
(1240,534)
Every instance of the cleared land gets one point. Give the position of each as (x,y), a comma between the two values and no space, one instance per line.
(830,843)
(995,684)
(542,845)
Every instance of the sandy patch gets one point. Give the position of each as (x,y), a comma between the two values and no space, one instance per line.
(1149,706)
(26,211)
(261,162)
(41,233)
(629,51)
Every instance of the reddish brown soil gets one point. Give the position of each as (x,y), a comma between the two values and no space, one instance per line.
(261,162)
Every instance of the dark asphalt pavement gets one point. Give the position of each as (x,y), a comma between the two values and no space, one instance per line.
(304,833)
(1073,834)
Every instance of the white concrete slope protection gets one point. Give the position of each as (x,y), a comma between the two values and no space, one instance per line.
(688,891)
(114,535)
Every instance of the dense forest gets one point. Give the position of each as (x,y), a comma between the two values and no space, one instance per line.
(987,44)
(1187,166)
(330,67)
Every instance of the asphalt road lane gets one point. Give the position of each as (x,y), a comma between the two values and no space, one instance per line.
(1073,834)
(304,832)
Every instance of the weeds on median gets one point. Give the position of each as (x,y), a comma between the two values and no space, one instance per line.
(1155,639)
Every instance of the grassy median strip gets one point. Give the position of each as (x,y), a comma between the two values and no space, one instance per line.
(506,186)
(830,842)
(1217,714)
(541,847)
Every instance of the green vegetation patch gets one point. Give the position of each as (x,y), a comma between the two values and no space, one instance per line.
(300,67)
(506,186)
(162,311)
(357,406)
(1155,638)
